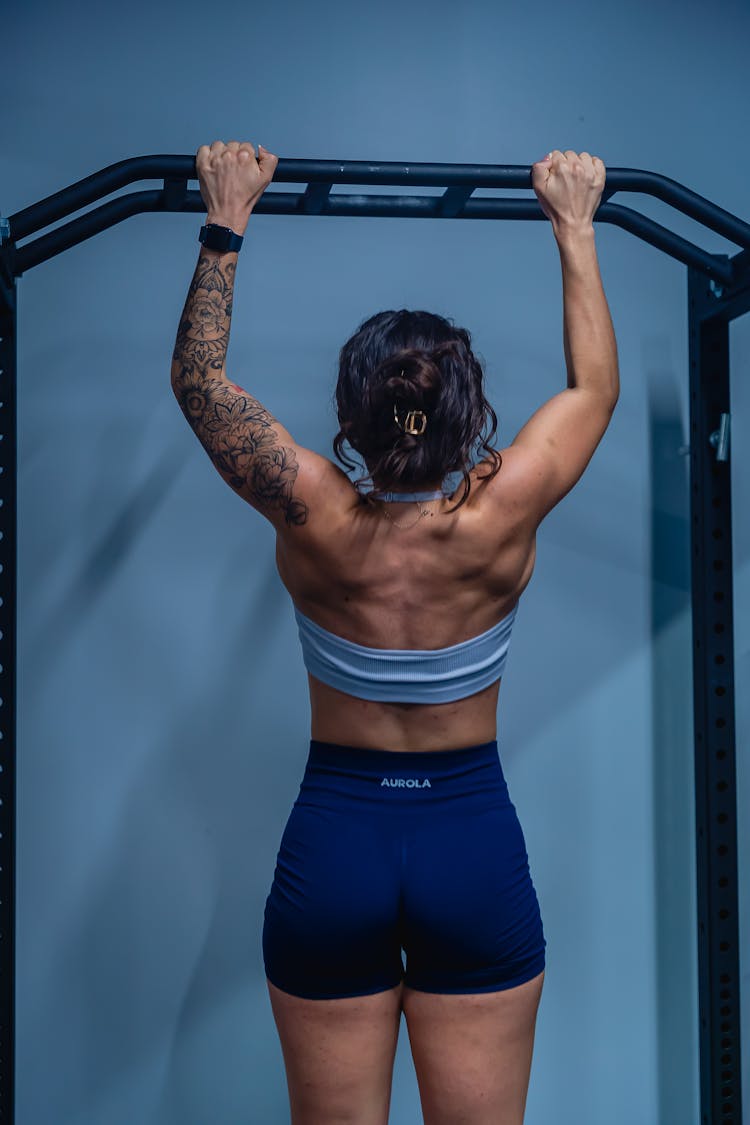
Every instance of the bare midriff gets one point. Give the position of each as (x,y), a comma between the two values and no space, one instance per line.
(443,581)
(337,717)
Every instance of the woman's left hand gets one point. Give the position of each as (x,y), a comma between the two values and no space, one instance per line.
(232,180)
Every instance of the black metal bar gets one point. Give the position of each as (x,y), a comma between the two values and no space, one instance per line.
(119,175)
(320,202)
(714,712)
(315,199)
(8,525)
(453,201)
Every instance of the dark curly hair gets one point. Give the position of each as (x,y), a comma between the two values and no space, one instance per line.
(418,361)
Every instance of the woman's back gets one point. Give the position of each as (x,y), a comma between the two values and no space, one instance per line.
(440,582)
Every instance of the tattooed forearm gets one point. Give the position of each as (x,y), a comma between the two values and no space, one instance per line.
(237,432)
(203,335)
(239,436)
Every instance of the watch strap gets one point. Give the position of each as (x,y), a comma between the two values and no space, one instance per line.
(215,237)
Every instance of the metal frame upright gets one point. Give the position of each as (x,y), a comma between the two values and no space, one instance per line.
(718,293)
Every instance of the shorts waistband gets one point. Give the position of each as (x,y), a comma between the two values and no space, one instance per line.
(373,760)
(340,776)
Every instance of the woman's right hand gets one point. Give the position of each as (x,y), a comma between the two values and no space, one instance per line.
(569,187)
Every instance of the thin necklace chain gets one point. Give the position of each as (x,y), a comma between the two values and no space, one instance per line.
(406,526)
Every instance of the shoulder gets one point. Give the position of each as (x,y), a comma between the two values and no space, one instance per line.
(507,494)
(325,494)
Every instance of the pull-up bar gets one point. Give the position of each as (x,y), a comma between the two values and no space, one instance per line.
(718,292)
(457,202)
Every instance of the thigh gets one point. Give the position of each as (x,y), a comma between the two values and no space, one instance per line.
(338,1055)
(472,1053)
(333,964)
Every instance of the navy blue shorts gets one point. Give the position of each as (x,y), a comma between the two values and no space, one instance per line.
(388,850)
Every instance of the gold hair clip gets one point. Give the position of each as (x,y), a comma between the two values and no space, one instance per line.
(410,425)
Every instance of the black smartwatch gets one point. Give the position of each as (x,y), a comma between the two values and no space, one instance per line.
(215,237)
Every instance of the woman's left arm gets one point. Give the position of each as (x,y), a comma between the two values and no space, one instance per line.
(290,485)
(252,451)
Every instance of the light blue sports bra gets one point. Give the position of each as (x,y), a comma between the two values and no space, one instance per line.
(395,675)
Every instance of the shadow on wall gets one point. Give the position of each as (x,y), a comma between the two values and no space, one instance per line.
(165,945)
(672,729)
(117,542)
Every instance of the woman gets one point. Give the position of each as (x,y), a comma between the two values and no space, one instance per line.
(403,834)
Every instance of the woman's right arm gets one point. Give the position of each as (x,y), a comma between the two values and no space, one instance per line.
(588,333)
(552,450)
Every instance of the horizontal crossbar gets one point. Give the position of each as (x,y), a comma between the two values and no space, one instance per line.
(460,182)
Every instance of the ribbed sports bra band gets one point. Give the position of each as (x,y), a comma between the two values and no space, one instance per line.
(439,675)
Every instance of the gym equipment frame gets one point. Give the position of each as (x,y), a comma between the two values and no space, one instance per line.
(718,292)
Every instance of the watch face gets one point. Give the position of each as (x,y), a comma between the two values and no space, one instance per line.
(216,237)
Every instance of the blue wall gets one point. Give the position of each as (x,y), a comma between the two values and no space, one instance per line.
(163,717)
